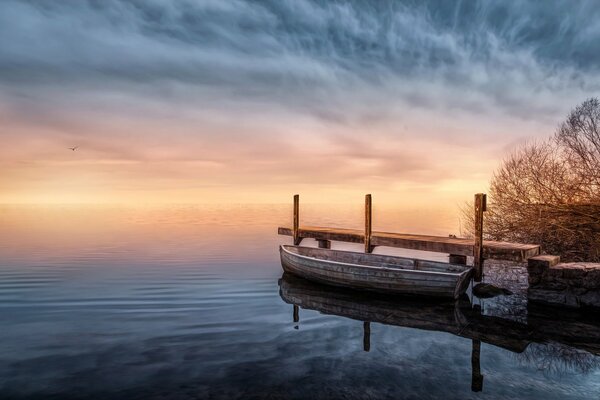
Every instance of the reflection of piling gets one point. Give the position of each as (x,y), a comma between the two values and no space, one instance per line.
(476,377)
(366,336)
(296,314)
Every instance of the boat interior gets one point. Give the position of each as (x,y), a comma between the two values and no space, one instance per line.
(376,260)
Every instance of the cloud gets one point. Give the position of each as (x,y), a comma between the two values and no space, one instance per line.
(264,49)
(381,89)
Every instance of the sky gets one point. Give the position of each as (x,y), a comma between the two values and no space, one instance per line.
(215,101)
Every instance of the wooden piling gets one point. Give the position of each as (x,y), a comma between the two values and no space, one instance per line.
(368,224)
(457,259)
(324,244)
(296,225)
(366,336)
(480,207)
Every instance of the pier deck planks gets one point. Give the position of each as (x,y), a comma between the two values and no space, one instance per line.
(440,244)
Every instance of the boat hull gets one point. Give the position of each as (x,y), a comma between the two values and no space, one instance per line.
(396,275)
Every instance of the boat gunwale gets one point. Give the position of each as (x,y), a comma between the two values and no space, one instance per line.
(453,274)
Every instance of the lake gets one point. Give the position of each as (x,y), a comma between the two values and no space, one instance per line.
(188,302)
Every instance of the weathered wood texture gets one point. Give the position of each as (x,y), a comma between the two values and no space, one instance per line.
(368,224)
(457,259)
(376,272)
(480,206)
(324,244)
(440,244)
(543,261)
(296,223)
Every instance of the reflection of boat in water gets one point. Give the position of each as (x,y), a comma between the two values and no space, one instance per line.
(373,307)
(451,317)
(458,317)
(376,272)
(455,317)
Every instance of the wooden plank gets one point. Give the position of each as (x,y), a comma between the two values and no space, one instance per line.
(380,277)
(439,244)
(368,219)
(543,262)
(313,232)
(509,251)
(480,206)
(421,242)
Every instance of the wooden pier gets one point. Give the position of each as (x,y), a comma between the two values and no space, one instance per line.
(457,248)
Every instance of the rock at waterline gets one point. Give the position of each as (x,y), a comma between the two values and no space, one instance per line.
(486,290)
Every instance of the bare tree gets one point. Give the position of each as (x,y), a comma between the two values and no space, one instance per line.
(549,192)
(579,137)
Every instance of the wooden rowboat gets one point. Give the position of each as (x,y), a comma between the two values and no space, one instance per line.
(375,272)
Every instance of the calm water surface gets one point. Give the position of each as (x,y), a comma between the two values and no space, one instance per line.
(184,302)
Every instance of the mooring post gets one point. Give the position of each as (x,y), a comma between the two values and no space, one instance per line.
(457,259)
(324,244)
(368,222)
(476,377)
(366,336)
(480,207)
(296,228)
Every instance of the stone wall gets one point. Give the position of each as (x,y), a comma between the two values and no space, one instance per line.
(565,284)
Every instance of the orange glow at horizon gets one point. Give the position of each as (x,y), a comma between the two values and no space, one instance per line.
(199,158)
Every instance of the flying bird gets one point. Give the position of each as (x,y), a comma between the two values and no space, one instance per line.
(73,148)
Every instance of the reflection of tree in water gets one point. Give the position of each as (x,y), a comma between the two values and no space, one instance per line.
(556,358)
(550,357)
